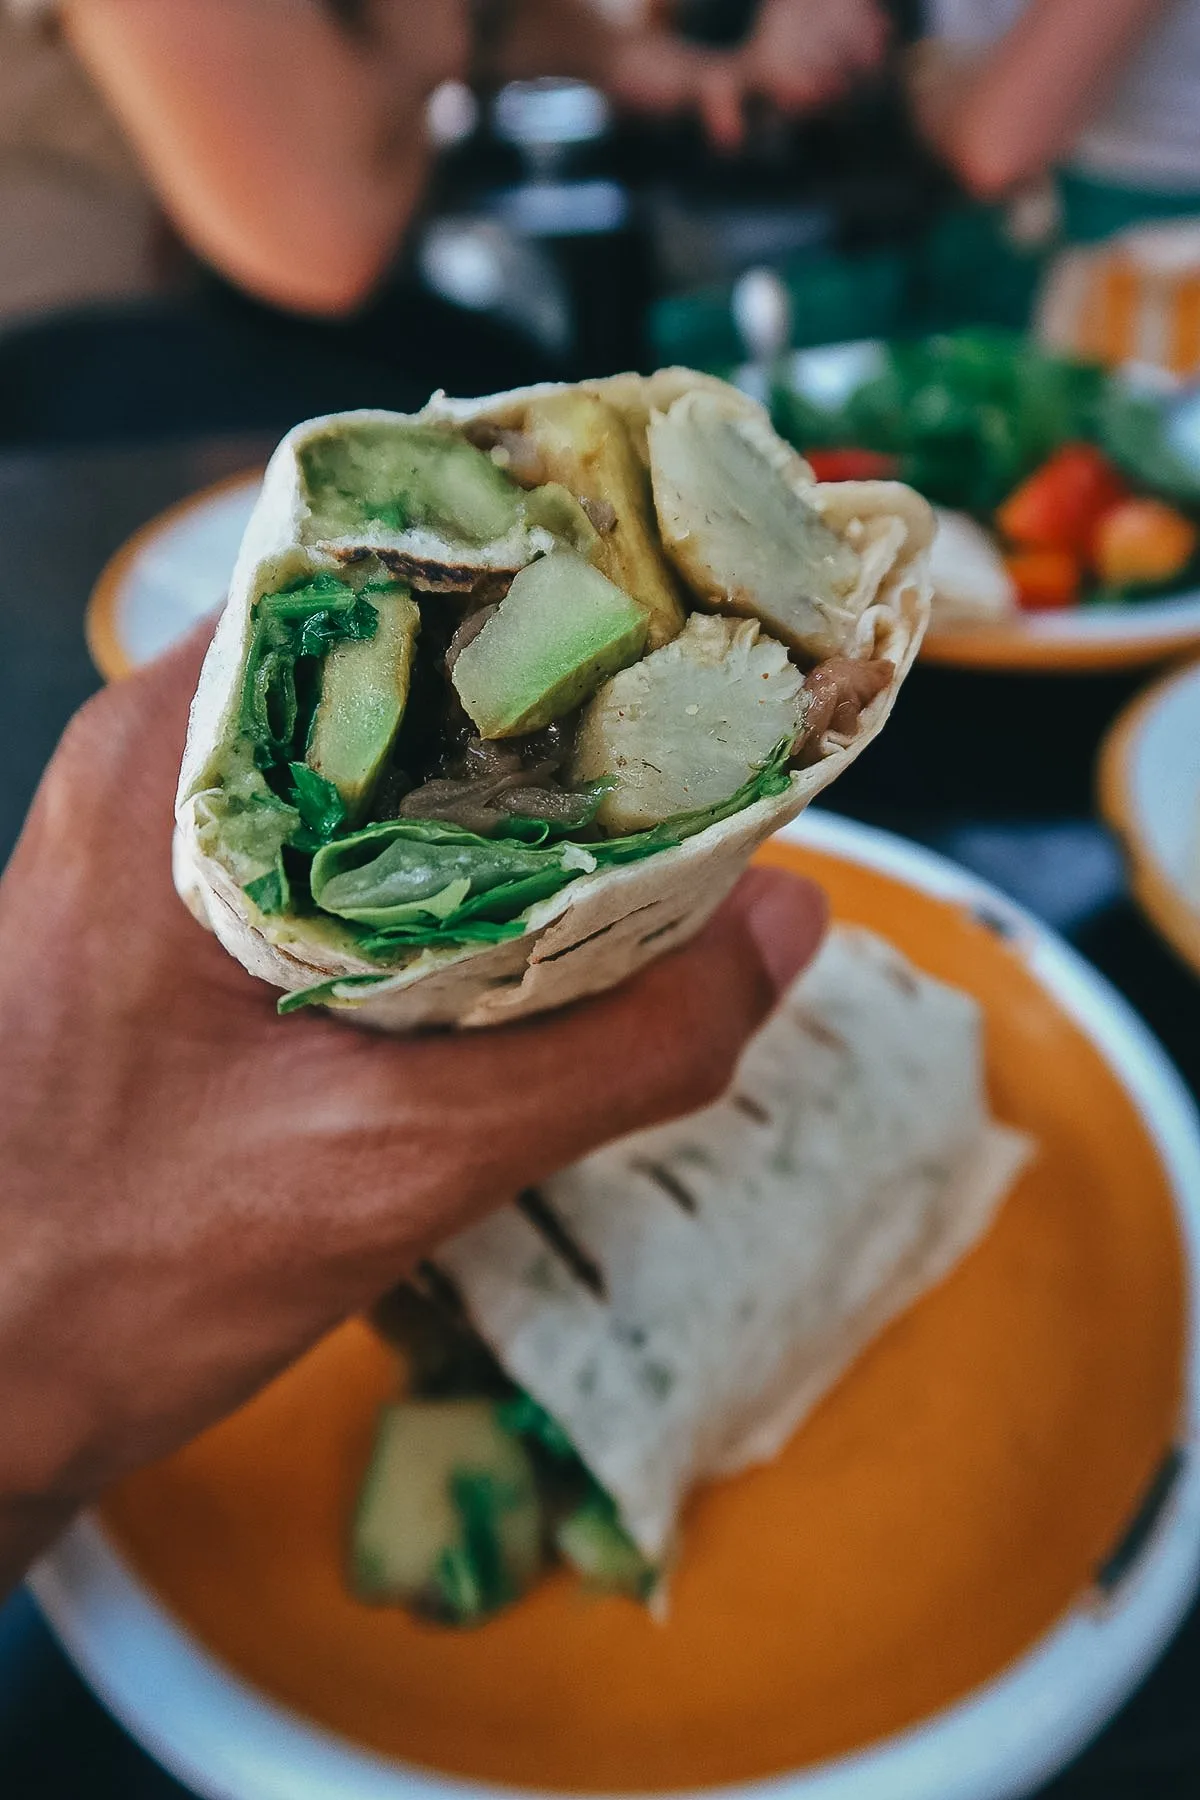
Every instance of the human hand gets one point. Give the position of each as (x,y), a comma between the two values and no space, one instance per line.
(195,1189)
(805,53)
(801,54)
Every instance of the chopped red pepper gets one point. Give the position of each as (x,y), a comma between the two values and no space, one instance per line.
(1060,504)
(1045,579)
(851,465)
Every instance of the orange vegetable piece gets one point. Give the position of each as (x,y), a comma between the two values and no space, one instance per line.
(1059,505)
(1142,542)
(1044,579)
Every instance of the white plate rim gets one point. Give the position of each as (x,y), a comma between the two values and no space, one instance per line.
(1169,907)
(219,1736)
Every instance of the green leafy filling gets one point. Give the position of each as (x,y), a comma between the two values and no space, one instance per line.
(270,801)
(320,806)
(401,883)
(303,620)
(970,414)
(588,1533)
(472,1577)
(522,1417)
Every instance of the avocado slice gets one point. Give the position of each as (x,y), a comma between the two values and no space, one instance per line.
(560,630)
(584,445)
(449,1521)
(406,477)
(364,690)
(597,1546)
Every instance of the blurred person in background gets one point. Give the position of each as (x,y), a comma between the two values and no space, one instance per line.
(286,139)
(284,142)
(1105,96)
(798,56)
(1080,124)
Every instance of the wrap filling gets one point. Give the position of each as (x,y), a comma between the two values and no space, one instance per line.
(506,654)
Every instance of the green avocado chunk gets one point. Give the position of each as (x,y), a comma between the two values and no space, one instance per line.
(597,1546)
(364,690)
(562,628)
(404,477)
(449,1521)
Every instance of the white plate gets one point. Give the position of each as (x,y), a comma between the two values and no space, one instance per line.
(228,1742)
(1150,794)
(168,576)
(1082,637)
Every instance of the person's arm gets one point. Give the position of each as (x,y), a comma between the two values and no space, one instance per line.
(288,151)
(195,1190)
(1011,116)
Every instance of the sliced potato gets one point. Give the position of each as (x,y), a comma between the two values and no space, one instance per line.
(689,724)
(730,497)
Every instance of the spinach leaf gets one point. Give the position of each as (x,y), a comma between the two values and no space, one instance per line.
(392,875)
(472,1577)
(270,892)
(410,865)
(319,804)
(302,620)
(322,991)
(522,1417)
(1131,431)
(426,934)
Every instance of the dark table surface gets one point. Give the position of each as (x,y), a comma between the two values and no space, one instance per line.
(995,772)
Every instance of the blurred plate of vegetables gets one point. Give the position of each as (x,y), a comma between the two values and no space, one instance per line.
(1069,514)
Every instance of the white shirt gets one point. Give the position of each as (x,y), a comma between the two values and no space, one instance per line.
(1147,134)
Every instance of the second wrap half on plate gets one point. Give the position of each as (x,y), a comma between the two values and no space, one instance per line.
(674,1305)
(737,634)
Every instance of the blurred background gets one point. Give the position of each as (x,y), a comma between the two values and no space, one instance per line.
(220,216)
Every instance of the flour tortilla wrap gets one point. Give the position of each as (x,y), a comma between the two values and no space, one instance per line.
(721,1273)
(601,927)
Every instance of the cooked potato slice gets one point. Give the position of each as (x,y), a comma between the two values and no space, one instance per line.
(689,724)
(731,509)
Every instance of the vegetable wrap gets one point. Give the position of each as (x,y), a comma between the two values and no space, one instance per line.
(506,692)
(669,1310)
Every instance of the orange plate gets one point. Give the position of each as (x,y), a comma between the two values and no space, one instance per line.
(938,1513)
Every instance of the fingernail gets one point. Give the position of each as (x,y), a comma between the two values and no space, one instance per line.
(787,920)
